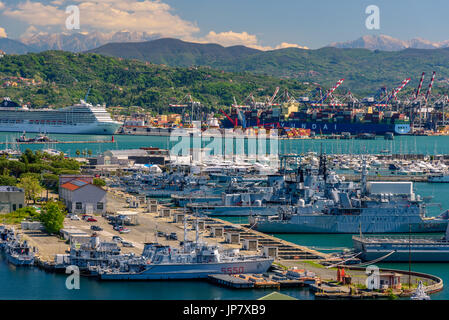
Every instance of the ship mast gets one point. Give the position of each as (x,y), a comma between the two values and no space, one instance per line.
(363,180)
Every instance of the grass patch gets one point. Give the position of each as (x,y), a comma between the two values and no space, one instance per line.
(314,264)
(15,217)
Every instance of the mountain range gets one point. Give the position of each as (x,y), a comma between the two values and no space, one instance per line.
(364,69)
(83,41)
(387,43)
(73,42)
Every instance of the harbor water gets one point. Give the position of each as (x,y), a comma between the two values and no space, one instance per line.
(428,145)
(20,283)
(32,283)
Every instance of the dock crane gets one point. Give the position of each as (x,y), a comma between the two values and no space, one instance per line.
(188,102)
(420,85)
(394,93)
(271,100)
(429,90)
(327,94)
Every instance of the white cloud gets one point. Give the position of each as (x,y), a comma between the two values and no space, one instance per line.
(231,38)
(151,16)
(3,33)
(37,14)
(289,45)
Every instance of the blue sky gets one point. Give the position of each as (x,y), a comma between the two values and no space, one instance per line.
(257,23)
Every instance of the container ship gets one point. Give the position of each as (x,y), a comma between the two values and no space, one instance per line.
(81,118)
(326,120)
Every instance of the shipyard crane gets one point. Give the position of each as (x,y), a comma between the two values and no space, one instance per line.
(323,98)
(87,94)
(394,93)
(331,90)
(429,90)
(240,114)
(285,97)
(420,85)
(271,100)
(188,102)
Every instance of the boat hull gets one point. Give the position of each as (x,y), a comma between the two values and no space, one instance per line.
(402,251)
(342,224)
(25,262)
(334,127)
(236,211)
(192,271)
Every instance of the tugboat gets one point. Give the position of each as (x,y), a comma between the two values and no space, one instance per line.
(43,138)
(23,138)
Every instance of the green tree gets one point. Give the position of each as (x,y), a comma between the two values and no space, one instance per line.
(31,186)
(7,180)
(52,216)
(99,182)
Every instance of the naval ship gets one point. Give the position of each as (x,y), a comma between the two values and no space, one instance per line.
(81,118)
(328,204)
(192,260)
(403,248)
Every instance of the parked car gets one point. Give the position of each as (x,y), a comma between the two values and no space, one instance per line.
(127,244)
(96,228)
(160,234)
(171,236)
(91,219)
(124,230)
(117,227)
(117,239)
(74,217)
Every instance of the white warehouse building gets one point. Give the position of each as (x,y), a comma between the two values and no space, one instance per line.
(81,196)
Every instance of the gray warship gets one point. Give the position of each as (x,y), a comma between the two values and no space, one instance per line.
(328,204)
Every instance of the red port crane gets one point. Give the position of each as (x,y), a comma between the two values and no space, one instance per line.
(430,86)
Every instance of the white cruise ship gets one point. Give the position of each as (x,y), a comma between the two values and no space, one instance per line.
(82,118)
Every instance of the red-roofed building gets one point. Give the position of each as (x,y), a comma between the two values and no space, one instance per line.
(81,196)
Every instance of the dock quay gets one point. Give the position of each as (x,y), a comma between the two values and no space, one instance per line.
(285,250)
(243,281)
